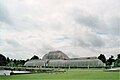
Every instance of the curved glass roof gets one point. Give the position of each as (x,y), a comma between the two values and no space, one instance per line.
(66,63)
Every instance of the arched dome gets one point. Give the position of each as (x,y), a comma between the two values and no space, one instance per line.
(55,55)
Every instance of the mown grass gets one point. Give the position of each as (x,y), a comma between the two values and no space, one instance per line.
(73,74)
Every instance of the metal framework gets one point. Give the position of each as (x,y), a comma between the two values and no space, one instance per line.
(65,63)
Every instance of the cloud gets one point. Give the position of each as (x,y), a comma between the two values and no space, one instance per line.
(87,38)
(13,43)
(103,26)
(4,14)
(76,27)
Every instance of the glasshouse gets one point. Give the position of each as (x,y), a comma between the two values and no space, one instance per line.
(59,59)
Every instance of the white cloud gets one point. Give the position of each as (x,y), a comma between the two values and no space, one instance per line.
(76,27)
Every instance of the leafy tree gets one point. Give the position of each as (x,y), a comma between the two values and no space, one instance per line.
(110,60)
(22,62)
(19,62)
(34,57)
(118,56)
(11,64)
(117,61)
(7,60)
(2,60)
(102,58)
(15,61)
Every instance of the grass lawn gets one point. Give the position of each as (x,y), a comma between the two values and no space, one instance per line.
(73,74)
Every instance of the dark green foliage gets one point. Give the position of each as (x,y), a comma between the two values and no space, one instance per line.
(118,56)
(2,60)
(19,62)
(15,62)
(10,62)
(7,60)
(110,61)
(117,61)
(102,58)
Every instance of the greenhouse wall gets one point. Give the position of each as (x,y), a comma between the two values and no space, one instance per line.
(65,63)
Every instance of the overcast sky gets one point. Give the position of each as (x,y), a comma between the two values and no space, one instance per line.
(79,28)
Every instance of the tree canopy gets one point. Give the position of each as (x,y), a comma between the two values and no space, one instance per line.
(117,62)
(2,60)
(110,60)
(102,58)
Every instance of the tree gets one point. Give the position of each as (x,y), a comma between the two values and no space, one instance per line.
(11,64)
(34,57)
(7,60)
(118,56)
(102,58)
(2,60)
(22,62)
(117,61)
(110,60)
